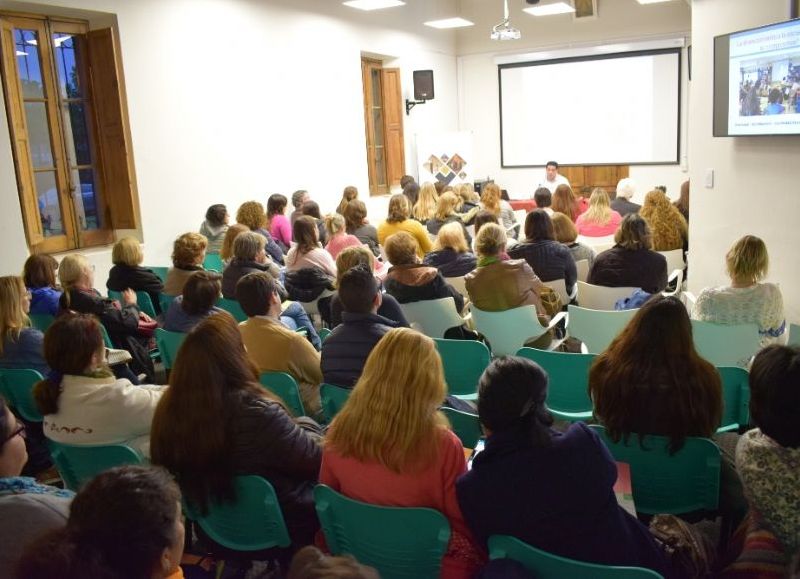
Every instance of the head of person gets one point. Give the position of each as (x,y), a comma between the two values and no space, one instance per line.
(335,224)
(305,234)
(683,199)
(226,252)
(633,233)
(564,201)
(483,217)
(251,214)
(551,170)
(201,292)
(189,250)
(511,398)
(217,215)
(311,208)
(425,207)
(538,226)
(299,197)
(599,207)
(399,209)
(467,193)
(358,290)
(626,188)
(355,213)
(564,229)
(490,198)
(257,293)
(543,198)
(401,249)
(73,345)
(127,251)
(350,192)
(747,261)
(447,205)
(411,192)
(775,96)
(774,393)
(311,563)
(276,205)
(396,427)
(451,236)
(13,454)
(656,203)
(15,304)
(75,271)
(490,240)
(126,522)
(405,180)
(40,271)
(352,256)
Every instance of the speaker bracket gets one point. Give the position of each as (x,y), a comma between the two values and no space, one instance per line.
(411,104)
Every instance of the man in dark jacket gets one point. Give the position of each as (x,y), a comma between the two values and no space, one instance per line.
(345,351)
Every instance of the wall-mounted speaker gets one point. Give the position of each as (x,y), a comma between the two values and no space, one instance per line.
(423,85)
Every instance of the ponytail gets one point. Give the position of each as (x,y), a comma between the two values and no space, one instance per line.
(334,223)
(46,393)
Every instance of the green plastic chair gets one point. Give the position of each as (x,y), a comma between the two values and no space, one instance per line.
(233,308)
(794,335)
(596,328)
(165,301)
(160,271)
(213,262)
(143,300)
(548,566)
(333,399)
(168,344)
(17,388)
(736,398)
(41,321)
(724,345)
(285,386)
(78,464)
(466,426)
(323,334)
(509,330)
(567,394)
(253,522)
(106,338)
(464,361)
(400,542)
(684,482)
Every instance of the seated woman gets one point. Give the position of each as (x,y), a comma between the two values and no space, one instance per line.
(631,262)
(81,400)
(411,192)
(378,454)
(249,255)
(398,220)
(252,215)
(446,213)
(666,223)
(492,202)
(451,254)
(505,493)
(338,237)
(469,199)
(214,389)
(226,251)
(566,202)
(746,300)
(307,252)
(355,216)
(215,227)
(127,272)
(349,194)
(20,344)
(600,220)
(682,204)
(196,303)
(565,232)
(425,207)
(188,254)
(277,222)
(39,275)
(126,522)
(311,209)
(549,259)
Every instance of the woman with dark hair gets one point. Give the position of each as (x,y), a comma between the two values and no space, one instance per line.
(307,251)
(350,193)
(549,259)
(565,201)
(683,201)
(411,192)
(277,222)
(215,227)
(355,216)
(214,390)
(126,523)
(39,274)
(196,303)
(311,209)
(525,482)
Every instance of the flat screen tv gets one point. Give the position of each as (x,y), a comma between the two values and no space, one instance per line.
(757,81)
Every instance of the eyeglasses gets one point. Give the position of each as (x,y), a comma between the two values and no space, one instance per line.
(19,430)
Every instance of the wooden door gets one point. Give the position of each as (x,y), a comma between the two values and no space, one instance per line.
(393,125)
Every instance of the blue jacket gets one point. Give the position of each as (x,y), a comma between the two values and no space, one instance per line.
(549,260)
(451,264)
(177,320)
(44,300)
(25,352)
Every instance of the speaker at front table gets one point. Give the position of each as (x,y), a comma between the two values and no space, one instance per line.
(423,85)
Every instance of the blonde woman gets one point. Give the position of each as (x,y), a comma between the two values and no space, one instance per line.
(492,202)
(252,215)
(566,233)
(338,237)
(446,212)
(746,300)
(20,344)
(398,220)
(451,254)
(600,220)
(667,225)
(188,254)
(425,207)
(226,253)
(128,272)
(389,445)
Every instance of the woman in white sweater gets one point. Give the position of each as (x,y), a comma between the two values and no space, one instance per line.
(81,400)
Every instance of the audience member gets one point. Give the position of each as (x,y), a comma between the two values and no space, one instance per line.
(21,345)
(252,215)
(345,351)
(128,273)
(39,274)
(226,252)
(667,225)
(544,199)
(271,345)
(491,202)
(355,216)
(215,227)
(338,238)
(451,253)
(246,430)
(311,563)
(405,180)
(299,197)
(307,252)
(469,200)
(201,292)
(249,255)
(622,204)
(505,494)
(126,522)
(600,220)
(565,232)
(683,201)
(446,213)
(398,220)
(631,262)
(188,254)
(746,300)
(311,209)
(549,259)
(81,400)
(564,201)
(277,222)
(411,192)
(390,446)
(349,193)
(425,207)
(552,179)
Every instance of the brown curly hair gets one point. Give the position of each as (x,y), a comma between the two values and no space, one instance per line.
(251,214)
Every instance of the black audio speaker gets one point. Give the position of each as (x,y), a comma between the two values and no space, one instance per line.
(423,85)
(532,1)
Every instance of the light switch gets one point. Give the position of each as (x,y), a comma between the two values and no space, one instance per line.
(709,180)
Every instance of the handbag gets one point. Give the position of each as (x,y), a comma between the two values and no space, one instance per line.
(684,546)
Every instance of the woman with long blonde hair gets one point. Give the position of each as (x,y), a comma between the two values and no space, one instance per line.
(447,212)
(667,226)
(425,207)
(20,344)
(390,445)
(398,219)
(600,220)
(492,201)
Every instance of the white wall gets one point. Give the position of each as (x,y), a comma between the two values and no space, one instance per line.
(756,178)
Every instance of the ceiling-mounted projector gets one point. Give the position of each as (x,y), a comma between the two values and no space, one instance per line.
(504,30)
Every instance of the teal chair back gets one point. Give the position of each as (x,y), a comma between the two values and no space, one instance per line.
(333,399)
(736,398)
(106,337)
(41,321)
(165,301)
(285,386)
(233,308)
(78,464)
(567,394)
(466,426)
(726,345)
(143,300)
(794,335)
(323,334)
(545,565)
(17,388)
(160,271)
(464,361)
(596,328)
(213,262)
(252,522)
(683,482)
(400,542)
(168,344)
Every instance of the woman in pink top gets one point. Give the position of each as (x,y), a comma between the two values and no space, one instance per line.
(599,220)
(306,252)
(279,227)
(390,446)
(338,238)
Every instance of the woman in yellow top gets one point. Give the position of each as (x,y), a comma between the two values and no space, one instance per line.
(398,220)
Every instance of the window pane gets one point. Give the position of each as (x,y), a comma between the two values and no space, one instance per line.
(380,167)
(38,135)
(377,125)
(86,199)
(49,206)
(66,58)
(76,132)
(376,87)
(30,74)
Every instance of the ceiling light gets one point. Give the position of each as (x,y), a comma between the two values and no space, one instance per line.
(550,9)
(373,4)
(450,23)
(504,30)
(651,1)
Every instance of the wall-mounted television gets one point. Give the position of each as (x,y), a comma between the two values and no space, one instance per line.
(757,81)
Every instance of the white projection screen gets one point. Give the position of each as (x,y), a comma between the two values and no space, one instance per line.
(617,109)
